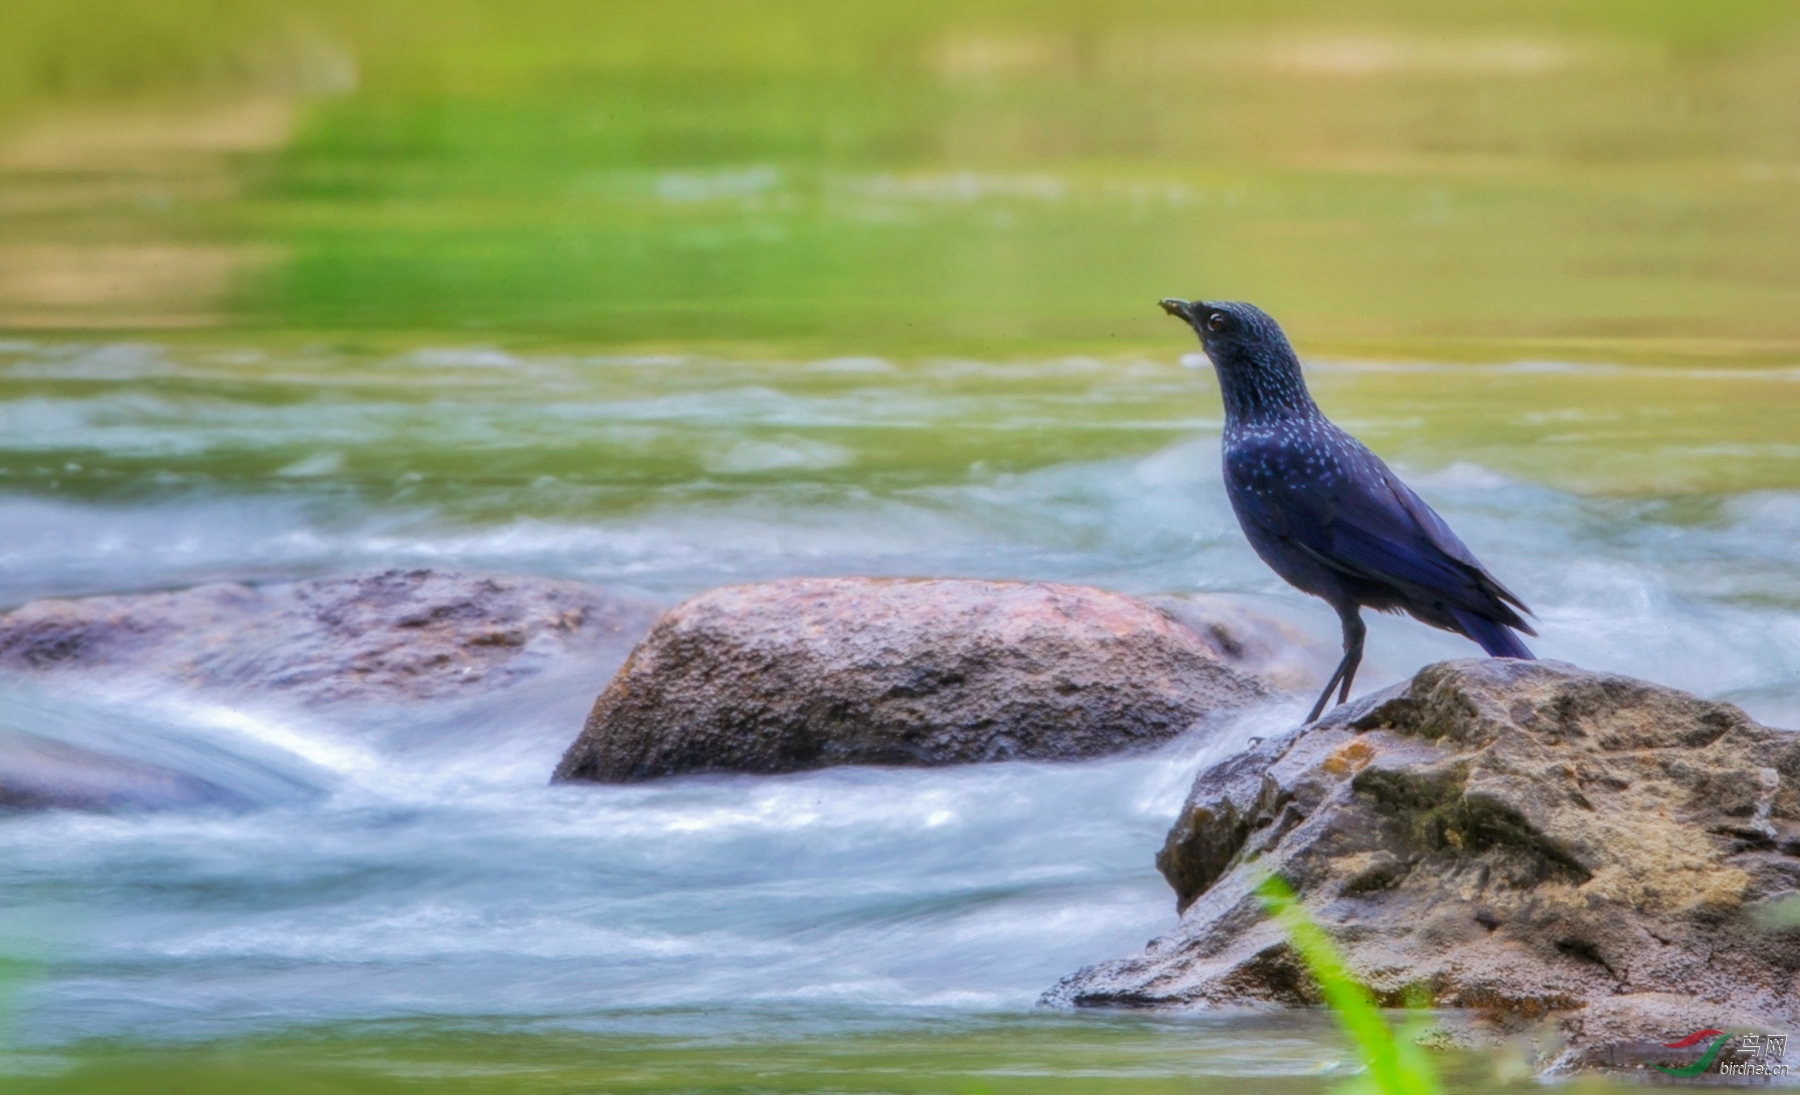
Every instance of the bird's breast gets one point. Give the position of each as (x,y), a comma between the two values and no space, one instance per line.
(1267,462)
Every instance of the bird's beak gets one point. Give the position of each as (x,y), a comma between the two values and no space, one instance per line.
(1177,308)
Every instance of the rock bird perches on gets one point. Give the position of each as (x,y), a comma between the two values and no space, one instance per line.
(1325,513)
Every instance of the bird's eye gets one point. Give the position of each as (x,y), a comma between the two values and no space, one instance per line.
(1217,321)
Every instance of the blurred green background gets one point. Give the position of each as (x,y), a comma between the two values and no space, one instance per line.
(1603,178)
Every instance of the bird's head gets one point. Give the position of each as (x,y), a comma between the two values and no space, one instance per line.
(1230,330)
(1256,365)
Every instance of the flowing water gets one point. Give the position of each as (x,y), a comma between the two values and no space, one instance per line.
(408,883)
(665,295)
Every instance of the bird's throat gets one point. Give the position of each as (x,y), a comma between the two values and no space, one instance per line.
(1256,392)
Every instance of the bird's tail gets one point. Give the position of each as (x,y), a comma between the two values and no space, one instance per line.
(1496,638)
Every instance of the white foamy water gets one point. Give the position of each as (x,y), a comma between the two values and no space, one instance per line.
(447,877)
(414,860)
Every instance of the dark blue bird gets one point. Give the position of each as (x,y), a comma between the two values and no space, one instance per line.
(1325,512)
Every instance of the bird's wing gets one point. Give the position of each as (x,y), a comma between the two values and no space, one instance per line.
(1358,518)
(1439,533)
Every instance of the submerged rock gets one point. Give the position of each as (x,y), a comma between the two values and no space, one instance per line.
(806,673)
(40,774)
(418,634)
(1250,636)
(1525,840)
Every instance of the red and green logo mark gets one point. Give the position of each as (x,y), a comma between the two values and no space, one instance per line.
(1706,1059)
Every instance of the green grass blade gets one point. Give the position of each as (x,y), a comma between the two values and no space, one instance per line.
(1391,1072)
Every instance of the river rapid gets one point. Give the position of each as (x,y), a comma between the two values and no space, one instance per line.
(412,864)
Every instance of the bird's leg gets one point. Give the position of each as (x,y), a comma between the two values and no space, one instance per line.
(1318,708)
(1353,649)
(1354,632)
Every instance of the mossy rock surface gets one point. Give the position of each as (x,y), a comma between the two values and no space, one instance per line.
(1515,841)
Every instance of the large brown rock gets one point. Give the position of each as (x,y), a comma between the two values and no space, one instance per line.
(1526,841)
(418,634)
(789,675)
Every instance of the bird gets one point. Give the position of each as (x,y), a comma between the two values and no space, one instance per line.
(1328,515)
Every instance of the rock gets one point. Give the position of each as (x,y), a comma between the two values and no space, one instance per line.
(418,634)
(1525,840)
(790,675)
(39,774)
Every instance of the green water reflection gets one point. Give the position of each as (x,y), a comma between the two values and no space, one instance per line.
(1599,179)
(993,1056)
(785,182)
(487,434)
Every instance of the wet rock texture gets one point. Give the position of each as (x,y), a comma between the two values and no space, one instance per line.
(806,673)
(417,634)
(1527,840)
